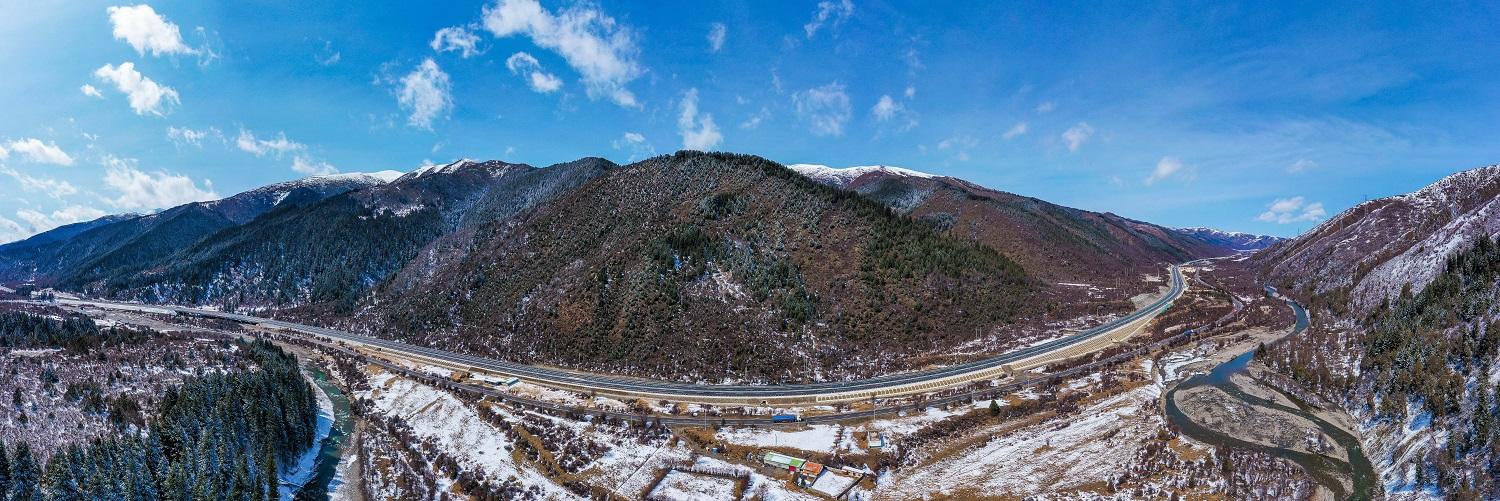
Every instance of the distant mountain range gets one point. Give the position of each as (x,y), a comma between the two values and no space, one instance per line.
(715,265)
(1238,241)
(1369,253)
(1051,241)
(126,244)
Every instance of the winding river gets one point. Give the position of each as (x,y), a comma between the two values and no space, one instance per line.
(1327,471)
(332,447)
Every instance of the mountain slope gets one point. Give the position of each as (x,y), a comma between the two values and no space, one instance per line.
(1051,241)
(333,250)
(708,266)
(126,244)
(1368,254)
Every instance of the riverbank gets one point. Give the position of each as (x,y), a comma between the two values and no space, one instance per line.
(1242,405)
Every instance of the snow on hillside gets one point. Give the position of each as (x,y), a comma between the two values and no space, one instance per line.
(440,168)
(1398,240)
(841,177)
(1236,240)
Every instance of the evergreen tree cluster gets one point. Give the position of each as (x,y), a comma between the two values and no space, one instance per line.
(223,436)
(1426,348)
(72,332)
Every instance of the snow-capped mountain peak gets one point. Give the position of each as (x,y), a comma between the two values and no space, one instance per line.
(441,168)
(842,177)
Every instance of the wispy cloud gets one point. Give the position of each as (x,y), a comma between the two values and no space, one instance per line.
(527,66)
(830,12)
(1166,167)
(1292,210)
(1015,131)
(51,187)
(1300,165)
(716,34)
(636,144)
(460,39)
(1076,135)
(825,109)
(182,136)
(697,129)
(279,145)
(312,167)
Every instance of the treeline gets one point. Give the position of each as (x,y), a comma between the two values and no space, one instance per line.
(72,332)
(223,436)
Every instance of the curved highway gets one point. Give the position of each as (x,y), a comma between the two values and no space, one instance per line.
(548,376)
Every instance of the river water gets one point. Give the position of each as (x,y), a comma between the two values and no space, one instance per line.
(332,448)
(1325,470)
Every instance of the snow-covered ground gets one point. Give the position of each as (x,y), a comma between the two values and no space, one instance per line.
(685,486)
(456,427)
(1054,455)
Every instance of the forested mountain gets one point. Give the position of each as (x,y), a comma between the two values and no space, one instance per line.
(333,250)
(1405,293)
(1368,254)
(1051,241)
(122,245)
(1421,368)
(665,265)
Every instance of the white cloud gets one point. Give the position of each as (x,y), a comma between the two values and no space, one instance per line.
(1046,107)
(959,145)
(460,39)
(185,136)
(1300,165)
(90,91)
(68,215)
(522,63)
(144,94)
(52,187)
(1292,210)
(826,108)
(1165,168)
(145,30)
(11,231)
(426,93)
(911,92)
(1015,131)
(38,152)
(154,190)
(599,48)
(279,145)
(312,167)
(830,12)
(636,143)
(1077,135)
(754,121)
(328,56)
(698,130)
(885,108)
(716,34)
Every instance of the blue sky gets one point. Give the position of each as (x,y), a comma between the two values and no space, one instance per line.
(1253,117)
